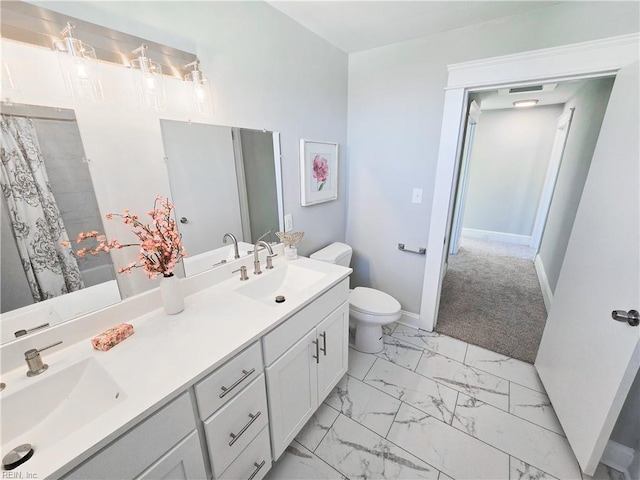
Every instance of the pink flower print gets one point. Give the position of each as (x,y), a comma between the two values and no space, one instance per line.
(320,170)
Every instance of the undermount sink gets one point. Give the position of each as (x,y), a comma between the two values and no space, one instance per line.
(286,280)
(56,404)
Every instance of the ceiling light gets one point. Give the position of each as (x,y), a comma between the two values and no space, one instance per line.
(79,67)
(525,103)
(147,76)
(200,92)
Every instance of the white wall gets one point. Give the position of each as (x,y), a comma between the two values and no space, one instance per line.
(590,103)
(267,72)
(509,160)
(395,110)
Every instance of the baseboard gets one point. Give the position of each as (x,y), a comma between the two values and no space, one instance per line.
(618,457)
(497,236)
(547,294)
(409,319)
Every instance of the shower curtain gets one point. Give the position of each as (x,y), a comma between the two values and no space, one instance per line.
(50,268)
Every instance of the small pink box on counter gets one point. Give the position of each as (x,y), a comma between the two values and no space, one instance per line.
(111,337)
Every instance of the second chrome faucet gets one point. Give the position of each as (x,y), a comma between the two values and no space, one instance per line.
(236,254)
(256,258)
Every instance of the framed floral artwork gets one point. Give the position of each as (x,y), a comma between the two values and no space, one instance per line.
(318,171)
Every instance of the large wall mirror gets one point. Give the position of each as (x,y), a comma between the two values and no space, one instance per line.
(47,199)
(223,180)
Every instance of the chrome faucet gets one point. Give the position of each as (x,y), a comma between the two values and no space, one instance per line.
(34,360)
(256,259)
(235,244)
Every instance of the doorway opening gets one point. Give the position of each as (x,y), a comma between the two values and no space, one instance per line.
(521,175)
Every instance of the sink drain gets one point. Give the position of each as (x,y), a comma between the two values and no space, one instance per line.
(280,299)
(17,456)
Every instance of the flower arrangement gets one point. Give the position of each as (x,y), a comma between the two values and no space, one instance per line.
(160,242)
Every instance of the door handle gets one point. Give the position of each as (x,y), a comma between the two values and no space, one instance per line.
(632,317)
(317,355)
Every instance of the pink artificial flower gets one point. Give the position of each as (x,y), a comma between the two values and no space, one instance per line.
(160,242)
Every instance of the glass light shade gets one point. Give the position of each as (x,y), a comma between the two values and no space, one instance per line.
(147,77)
(200,92)
(79,69)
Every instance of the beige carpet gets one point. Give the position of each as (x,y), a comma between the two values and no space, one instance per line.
(491,298)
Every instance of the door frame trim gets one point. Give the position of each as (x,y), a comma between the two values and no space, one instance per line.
(563,127)
(581,60)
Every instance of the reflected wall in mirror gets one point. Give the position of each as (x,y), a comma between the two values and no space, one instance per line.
(47,200)
(223,180)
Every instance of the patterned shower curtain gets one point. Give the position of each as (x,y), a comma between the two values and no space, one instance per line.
(51,268)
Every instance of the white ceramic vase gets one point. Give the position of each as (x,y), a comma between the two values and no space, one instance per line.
(172,298)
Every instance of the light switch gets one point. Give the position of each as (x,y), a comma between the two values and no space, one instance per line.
(417,195)
(288,222)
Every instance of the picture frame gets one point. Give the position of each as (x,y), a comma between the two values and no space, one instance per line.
(318,172)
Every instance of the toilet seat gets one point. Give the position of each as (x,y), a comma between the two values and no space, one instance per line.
(372,302)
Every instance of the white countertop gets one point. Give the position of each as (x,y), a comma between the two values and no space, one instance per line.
(166,355)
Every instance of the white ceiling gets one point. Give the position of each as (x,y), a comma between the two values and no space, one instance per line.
(354,26)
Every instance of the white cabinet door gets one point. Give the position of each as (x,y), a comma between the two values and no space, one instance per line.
(292,385)
(332,334)
(183,462)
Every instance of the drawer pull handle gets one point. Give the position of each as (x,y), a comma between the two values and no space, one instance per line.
(317,355)
(245,375)
(324,343)
(235,436)
(258,467)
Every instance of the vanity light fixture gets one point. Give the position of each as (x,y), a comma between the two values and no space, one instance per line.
(147,77)
(525,103)
(79,67)
(200,91)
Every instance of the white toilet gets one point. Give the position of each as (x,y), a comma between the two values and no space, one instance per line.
(369,309)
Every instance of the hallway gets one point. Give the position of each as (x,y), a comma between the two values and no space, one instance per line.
(491,297)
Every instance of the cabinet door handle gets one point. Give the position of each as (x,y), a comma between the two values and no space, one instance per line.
(245,375)
(258,467)
(317,355)
(236,436)
(324,343)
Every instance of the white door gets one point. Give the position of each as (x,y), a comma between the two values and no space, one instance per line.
(333,334)
(587,361)
(292,386)
(463,185)
(202,176)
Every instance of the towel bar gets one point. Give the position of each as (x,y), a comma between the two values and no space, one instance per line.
(420,251)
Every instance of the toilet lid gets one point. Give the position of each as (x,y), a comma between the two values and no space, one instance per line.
(373,302)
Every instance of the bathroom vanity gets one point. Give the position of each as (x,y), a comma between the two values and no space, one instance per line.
(217,391)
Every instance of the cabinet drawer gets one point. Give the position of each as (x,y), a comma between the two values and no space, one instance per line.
(129,455)
(287,334)
(254,462)
(232,428)
(226,382)
(183,462)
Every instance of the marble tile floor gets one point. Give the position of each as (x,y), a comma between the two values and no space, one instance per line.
(433,407)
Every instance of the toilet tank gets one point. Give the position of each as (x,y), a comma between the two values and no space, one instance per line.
(338,253)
